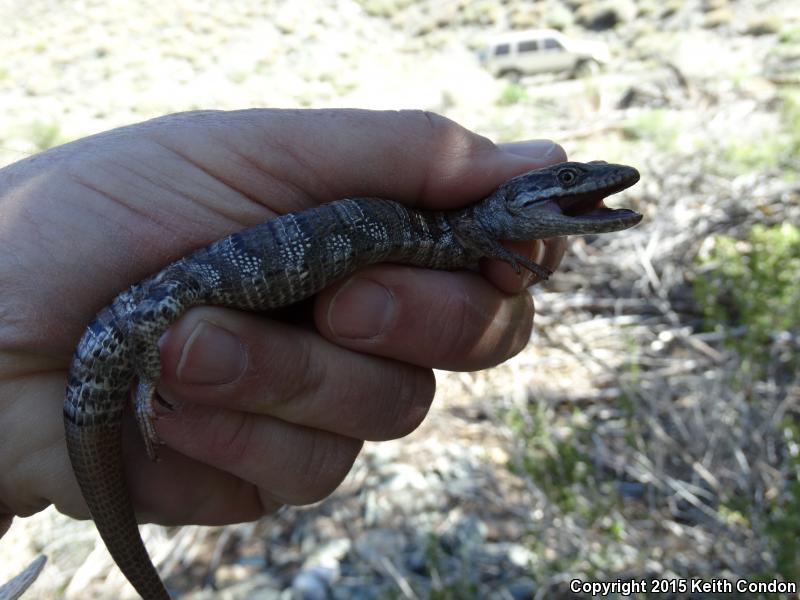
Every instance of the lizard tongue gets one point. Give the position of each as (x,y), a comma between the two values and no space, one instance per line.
(600,211)
(590,206)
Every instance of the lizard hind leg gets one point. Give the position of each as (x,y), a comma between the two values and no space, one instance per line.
(164,303)
(146,416)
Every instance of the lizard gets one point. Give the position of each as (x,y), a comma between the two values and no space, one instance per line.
(275,264)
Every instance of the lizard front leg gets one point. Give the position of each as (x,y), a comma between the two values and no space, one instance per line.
(478,240)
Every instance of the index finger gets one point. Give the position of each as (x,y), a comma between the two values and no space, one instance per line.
(315,156)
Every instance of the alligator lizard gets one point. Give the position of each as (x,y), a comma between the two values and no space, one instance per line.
(278,263)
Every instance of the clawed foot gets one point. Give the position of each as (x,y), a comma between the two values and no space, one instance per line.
(146,416)
(489,247)
(534,267)
(168,405)
(517,261)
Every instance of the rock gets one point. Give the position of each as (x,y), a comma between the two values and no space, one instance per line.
(631,489)
(605,15)
(522,589)
(557,16)
(670,8)
(377,544)
(718,18)
(763,25)
(526,16)
(310,585)
(417,562)
(712,5)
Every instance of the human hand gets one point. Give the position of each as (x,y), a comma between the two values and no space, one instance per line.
(268,413)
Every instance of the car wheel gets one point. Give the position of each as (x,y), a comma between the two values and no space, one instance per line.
(586,68)
(513,75)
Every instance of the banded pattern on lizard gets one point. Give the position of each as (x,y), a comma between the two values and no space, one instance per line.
(276,264)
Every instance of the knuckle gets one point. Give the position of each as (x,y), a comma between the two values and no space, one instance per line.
(404,395)
(268,505)
(522,325)
(510,332)
(414,397)
(285,372)
(469,334)
(451,146)
(230,438)
(456,326)
(323,467)
(455,141)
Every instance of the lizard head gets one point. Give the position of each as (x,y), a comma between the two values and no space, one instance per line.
(565,199)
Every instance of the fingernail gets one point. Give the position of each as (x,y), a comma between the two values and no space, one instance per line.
(211,355)
(539,149)
(361,309)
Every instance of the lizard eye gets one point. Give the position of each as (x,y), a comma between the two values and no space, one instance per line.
(567,176)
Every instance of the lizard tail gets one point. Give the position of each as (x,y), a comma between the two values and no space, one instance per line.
(96,455)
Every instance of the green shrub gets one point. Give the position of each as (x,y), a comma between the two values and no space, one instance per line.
(776,151)
(513,93)
(752,284)
(658,126)
(45,135)
(555,465)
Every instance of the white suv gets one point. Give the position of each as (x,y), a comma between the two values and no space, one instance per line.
(520,53)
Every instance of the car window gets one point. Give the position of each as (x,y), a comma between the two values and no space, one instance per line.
(551,44)
(501,49)
(527,46)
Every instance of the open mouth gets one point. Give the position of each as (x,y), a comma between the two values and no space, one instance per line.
(590,206)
